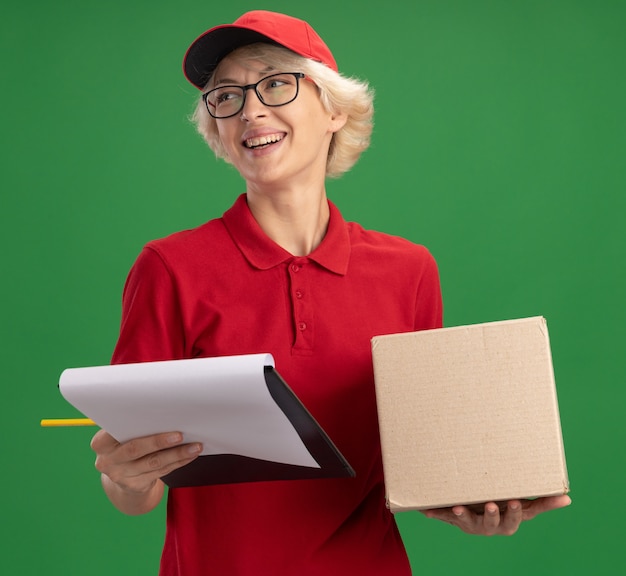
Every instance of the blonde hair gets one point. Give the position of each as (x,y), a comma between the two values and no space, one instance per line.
(338,93)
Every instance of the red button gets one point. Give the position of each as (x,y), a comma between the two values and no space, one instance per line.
(302,326)
(295,268)
(299,294)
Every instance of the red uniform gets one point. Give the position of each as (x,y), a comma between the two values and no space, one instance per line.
(226,288)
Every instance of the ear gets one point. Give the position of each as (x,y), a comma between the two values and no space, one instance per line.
(337,121)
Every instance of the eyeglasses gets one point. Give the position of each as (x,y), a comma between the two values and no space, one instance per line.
(275,90)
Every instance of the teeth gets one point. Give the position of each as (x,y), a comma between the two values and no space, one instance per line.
(263,140)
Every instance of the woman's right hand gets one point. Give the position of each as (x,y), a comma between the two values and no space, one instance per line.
(131,471)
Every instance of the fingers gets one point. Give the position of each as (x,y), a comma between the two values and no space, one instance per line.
(140,447)
(546,504)
(161,462)
(512,518)
(137,464)
(490,520)
(488,523)
(103,442)
(494,520)
(460,516)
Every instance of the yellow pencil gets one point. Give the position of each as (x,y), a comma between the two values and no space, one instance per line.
(68,422)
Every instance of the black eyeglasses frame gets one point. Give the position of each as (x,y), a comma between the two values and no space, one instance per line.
(205,97)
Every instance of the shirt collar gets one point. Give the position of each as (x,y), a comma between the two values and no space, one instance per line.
(263,253)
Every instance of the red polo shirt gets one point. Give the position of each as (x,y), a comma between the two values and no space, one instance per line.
(226,288)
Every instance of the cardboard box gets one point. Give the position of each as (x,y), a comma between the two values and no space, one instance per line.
(468,415)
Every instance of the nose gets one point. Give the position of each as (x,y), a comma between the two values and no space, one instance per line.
(252,105)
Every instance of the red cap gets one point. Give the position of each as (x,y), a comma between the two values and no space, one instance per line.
(205,53)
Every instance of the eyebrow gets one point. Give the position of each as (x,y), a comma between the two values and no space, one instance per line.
(268,69)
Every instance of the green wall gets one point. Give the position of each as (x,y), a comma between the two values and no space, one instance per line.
(500,144)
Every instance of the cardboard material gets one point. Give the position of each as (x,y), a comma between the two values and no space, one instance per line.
(468,415)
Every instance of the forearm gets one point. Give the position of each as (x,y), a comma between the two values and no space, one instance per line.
(131,502)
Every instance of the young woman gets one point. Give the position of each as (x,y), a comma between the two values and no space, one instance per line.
(281,272)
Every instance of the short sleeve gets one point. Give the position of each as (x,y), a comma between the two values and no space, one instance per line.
(151,327)
(428,303)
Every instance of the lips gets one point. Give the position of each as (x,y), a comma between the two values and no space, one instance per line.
(263,141)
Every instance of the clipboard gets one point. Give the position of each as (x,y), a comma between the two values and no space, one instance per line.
(253,426)
(232,468)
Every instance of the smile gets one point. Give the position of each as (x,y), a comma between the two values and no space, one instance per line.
(263,141)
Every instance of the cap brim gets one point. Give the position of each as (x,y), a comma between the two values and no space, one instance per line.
(205,53)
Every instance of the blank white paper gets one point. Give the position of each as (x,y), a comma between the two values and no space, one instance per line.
(221,402)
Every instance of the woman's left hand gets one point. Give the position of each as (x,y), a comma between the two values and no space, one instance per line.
(492,521)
